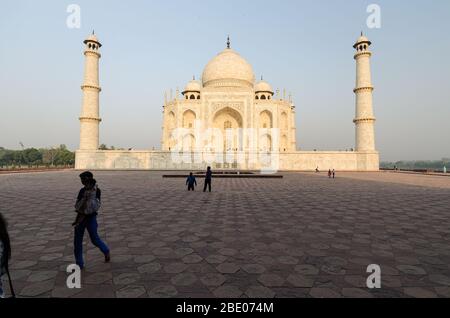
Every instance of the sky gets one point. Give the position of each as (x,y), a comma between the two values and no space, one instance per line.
(150,47)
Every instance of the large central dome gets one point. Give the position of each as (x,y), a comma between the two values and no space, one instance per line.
(227,69)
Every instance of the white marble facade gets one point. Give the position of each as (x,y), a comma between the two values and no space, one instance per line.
(228,120)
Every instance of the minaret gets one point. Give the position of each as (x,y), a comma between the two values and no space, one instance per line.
(364,118)
(90,117)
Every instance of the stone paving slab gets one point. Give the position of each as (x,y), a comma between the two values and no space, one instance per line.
(301,236)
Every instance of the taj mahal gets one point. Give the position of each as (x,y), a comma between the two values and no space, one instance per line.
(228,120)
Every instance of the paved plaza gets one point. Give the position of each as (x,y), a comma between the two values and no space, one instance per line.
(301,236)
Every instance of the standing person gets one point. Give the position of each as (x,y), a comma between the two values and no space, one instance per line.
(208,179)
(329,173)
(191,182)
(88,202)
(5,253)
(334,173)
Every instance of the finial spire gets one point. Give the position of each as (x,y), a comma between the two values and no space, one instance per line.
(262,78)
(193,77)
(362,33)
(93,32)
(228,42)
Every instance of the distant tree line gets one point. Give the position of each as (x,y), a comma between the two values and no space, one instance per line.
(32,157)
(417,165)
(105,147)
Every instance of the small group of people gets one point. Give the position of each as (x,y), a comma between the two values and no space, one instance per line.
(191,182)
(331,173)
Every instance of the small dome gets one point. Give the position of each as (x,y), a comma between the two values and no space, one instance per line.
(228,68)
(362,39)
(263,86)
(92,38)
(193,86)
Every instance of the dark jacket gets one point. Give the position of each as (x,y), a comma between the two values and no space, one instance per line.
(191,181)
(208,175)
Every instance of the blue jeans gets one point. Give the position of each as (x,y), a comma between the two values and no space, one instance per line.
(89,223)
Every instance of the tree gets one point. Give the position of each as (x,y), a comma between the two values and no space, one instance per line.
(64,157)
(32,156)
(17,157)
(105,147)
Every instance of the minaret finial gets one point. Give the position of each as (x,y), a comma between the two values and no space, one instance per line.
(193,77)
(93,32)
(262,78)
(228,42)
(362,33)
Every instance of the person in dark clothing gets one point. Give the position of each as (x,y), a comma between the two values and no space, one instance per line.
(88,222)
(191,182)
(334,174)
(208,179)
(5,251)
(329,173)
(89,185)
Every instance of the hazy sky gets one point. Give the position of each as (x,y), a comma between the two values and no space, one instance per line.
(152,46)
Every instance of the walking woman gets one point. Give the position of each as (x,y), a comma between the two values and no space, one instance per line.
(5,252)
(88,203)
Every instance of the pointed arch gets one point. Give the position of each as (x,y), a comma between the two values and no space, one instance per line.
(228,121)
(189,118)
(265,143)
(188,143)
(265,119)
(284,143)
(283,121)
